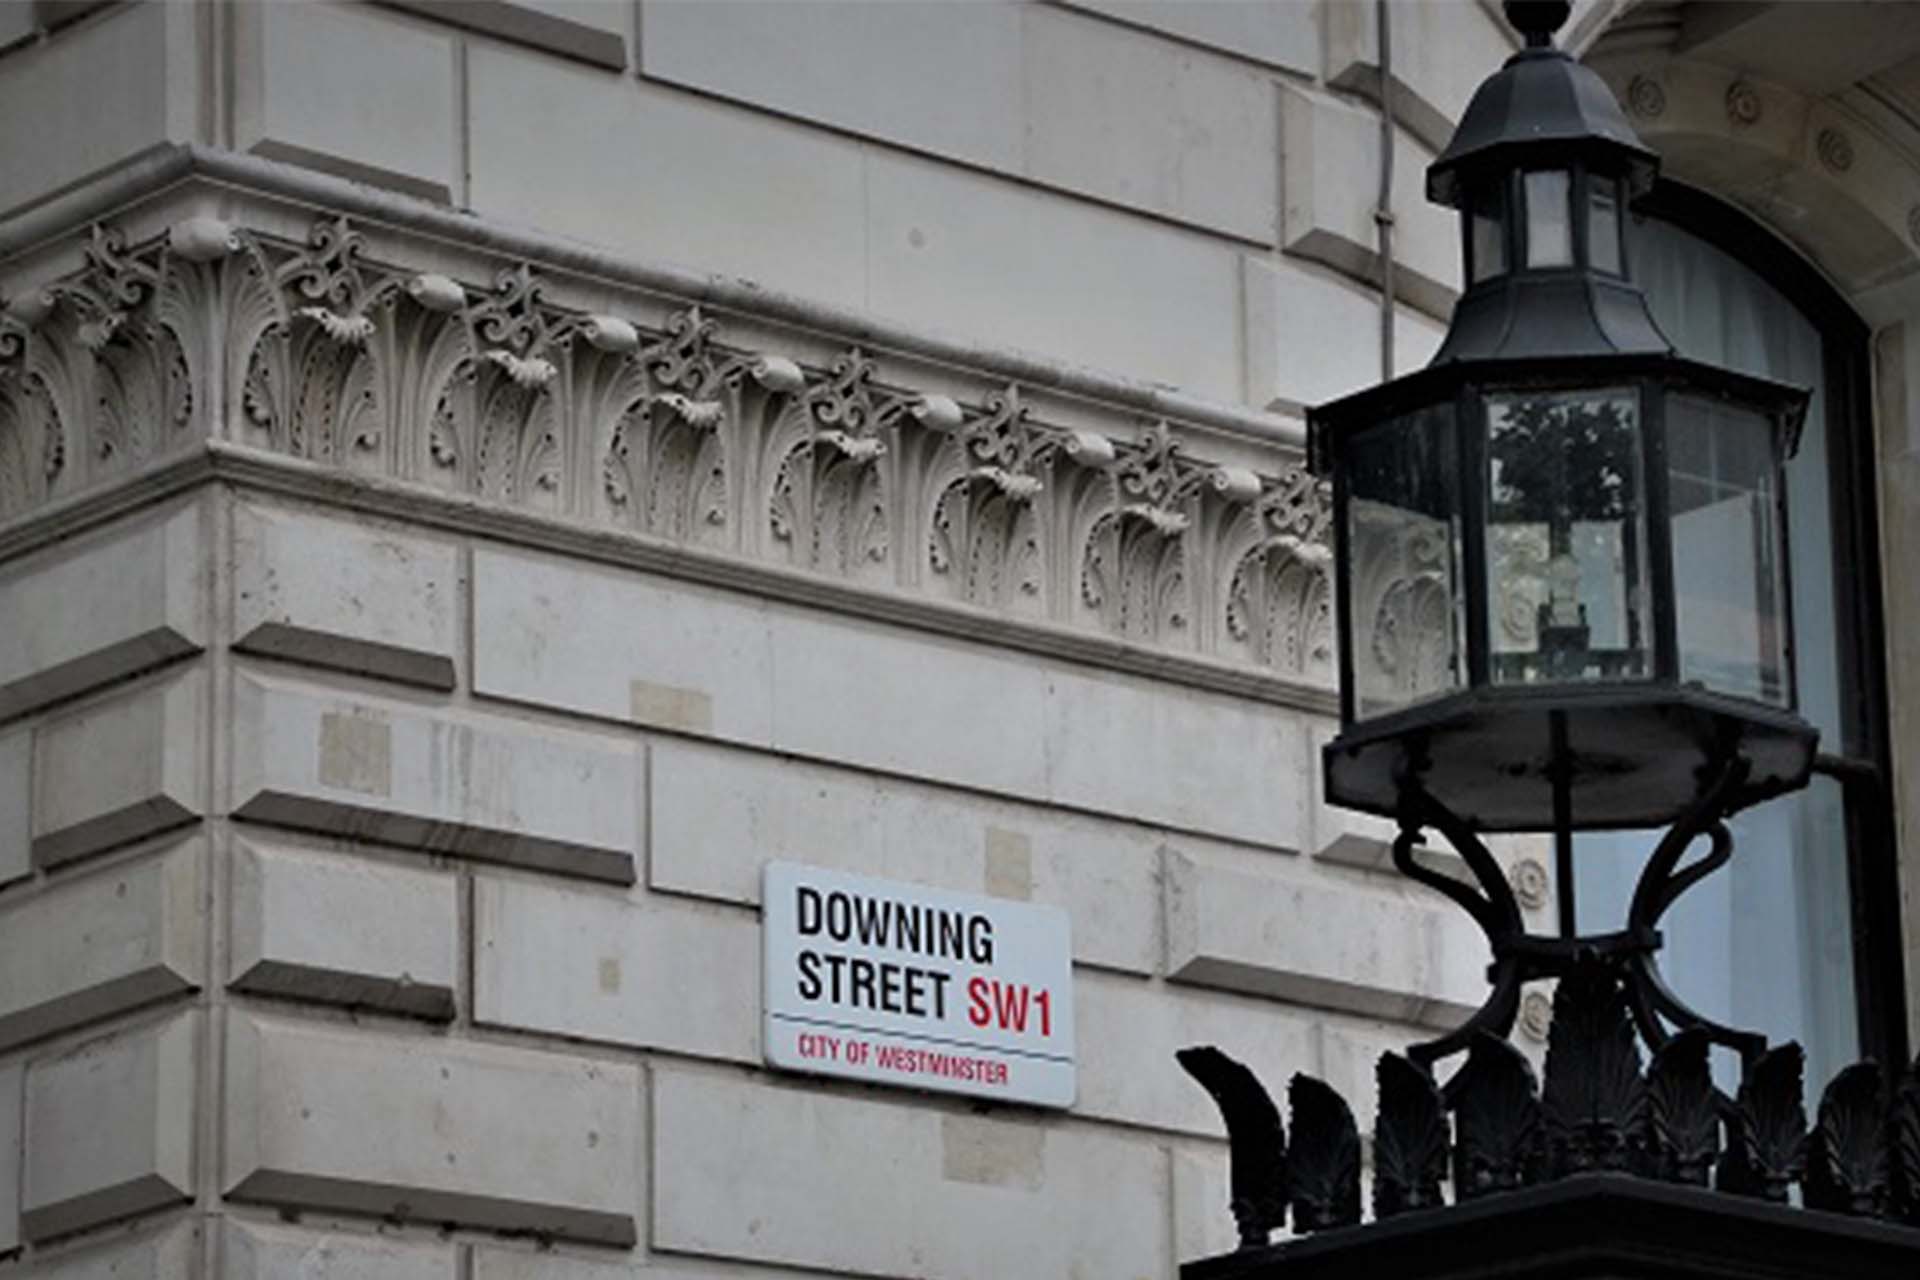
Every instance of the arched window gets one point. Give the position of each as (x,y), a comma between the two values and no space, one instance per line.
(1798,937)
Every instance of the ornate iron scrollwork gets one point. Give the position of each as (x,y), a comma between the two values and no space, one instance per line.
(1597,1110)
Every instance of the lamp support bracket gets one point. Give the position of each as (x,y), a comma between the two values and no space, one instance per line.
(1520,957)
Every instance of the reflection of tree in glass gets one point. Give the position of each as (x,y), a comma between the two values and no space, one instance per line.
(1560,459)
(1407,463)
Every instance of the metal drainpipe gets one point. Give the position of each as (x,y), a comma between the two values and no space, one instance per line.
(1383,209)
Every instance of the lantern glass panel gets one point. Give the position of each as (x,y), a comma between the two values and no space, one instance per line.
(1488,249)
(1603,227)
(1402,554)
(1566,537)
(1729,591)
(1549,218)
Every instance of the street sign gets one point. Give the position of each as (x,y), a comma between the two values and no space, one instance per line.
(902,984)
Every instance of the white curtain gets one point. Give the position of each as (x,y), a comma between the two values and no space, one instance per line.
(1766,943)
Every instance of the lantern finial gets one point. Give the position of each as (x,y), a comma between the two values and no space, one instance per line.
(1537,20)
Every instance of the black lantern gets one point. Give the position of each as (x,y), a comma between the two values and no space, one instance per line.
(1526,642)
(1522,633)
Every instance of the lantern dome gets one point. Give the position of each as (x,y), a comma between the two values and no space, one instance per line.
(1541,102)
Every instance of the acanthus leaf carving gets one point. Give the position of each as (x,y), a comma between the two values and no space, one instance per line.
(986,479)
(114,283)
(328,283)
(829,497)
(1133,568)
(1279,598)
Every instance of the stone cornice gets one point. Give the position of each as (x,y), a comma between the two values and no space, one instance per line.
(56,220)
(322,360)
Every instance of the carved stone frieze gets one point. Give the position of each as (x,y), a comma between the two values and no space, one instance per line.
(322,350)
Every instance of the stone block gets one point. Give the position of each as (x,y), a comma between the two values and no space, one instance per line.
(110,1129)
(101,93)
(1350,1050)
(1321,940)
(1202,1224)
(514,1264)
(856,692)
(349,596)
(393,124)
(807,1174)
(652,971)
(16,806)
(651,651)
(691,176)
(859,692)
(171,1253)
(89,948)
(119,769)
(1312,334)
(1441,53)
(1330,162)
(1281,35)
(482,786)
(718,815)
(1342,835)
(478,1135)
(253,1252)
(12,1088)
(1187,758)
(999,262)
(1149,124)
(591,30)
(338,930)
(940,78)
(17,23)
(132,596)
(1122,1023)
(1023,90)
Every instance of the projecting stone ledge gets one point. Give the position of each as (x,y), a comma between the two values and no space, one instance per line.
(473,785)
(1610,1225)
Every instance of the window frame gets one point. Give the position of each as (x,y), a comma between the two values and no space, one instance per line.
(1860,763)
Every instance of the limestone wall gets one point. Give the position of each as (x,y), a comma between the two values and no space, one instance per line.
(478,481)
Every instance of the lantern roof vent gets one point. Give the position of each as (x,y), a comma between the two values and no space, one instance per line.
(1541,103)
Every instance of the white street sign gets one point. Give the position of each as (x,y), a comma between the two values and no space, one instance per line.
(901,984)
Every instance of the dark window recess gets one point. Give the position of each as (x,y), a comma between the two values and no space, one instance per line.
(1713,275)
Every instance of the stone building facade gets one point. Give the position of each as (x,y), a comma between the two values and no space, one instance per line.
(478,481)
